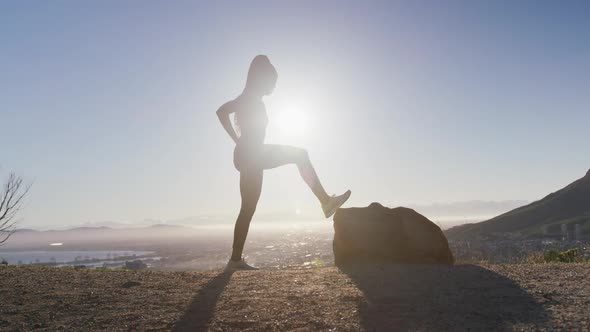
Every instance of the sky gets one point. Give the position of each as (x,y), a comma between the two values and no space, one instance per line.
(108,107)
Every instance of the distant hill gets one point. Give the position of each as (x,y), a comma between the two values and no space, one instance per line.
(85,228)
(102,236)
(570,205)
(23,230)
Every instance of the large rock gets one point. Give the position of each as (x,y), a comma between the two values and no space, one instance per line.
(376,234)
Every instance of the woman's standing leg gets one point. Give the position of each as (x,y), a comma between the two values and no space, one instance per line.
(250,189)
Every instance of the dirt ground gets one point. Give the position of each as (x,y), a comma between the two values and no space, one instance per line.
(386,298)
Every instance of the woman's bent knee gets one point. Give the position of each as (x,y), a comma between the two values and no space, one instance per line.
(302,157)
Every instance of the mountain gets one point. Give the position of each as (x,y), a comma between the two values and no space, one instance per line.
(570,205)
(24,230)
(85,228)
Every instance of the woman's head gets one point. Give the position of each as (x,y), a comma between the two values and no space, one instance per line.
(262,76)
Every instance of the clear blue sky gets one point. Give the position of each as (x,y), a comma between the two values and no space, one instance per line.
(109,106)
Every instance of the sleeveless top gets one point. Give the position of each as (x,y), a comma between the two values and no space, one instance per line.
(251,121)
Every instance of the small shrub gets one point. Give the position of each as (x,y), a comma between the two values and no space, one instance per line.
(551,256)
(534,258)
(4,262)
(568,256)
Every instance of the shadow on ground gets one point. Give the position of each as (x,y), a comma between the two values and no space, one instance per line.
(199,314)
(462,297)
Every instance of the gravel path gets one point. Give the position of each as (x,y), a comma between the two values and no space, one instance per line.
(462,297)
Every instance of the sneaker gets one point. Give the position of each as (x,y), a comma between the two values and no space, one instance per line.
(334,203)
(239,265)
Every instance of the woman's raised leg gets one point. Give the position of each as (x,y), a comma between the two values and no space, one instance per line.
(279,155)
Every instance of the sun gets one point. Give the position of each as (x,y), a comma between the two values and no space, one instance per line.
(292,122)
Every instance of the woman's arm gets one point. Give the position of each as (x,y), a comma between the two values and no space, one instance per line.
(223,114)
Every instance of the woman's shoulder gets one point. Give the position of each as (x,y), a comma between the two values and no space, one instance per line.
(241,103)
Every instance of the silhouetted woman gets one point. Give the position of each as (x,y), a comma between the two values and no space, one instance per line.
(252,156)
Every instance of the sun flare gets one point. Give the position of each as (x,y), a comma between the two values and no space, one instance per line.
(292,122)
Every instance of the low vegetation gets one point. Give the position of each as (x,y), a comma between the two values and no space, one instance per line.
(567,256)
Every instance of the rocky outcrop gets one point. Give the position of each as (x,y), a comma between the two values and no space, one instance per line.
(379,234)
